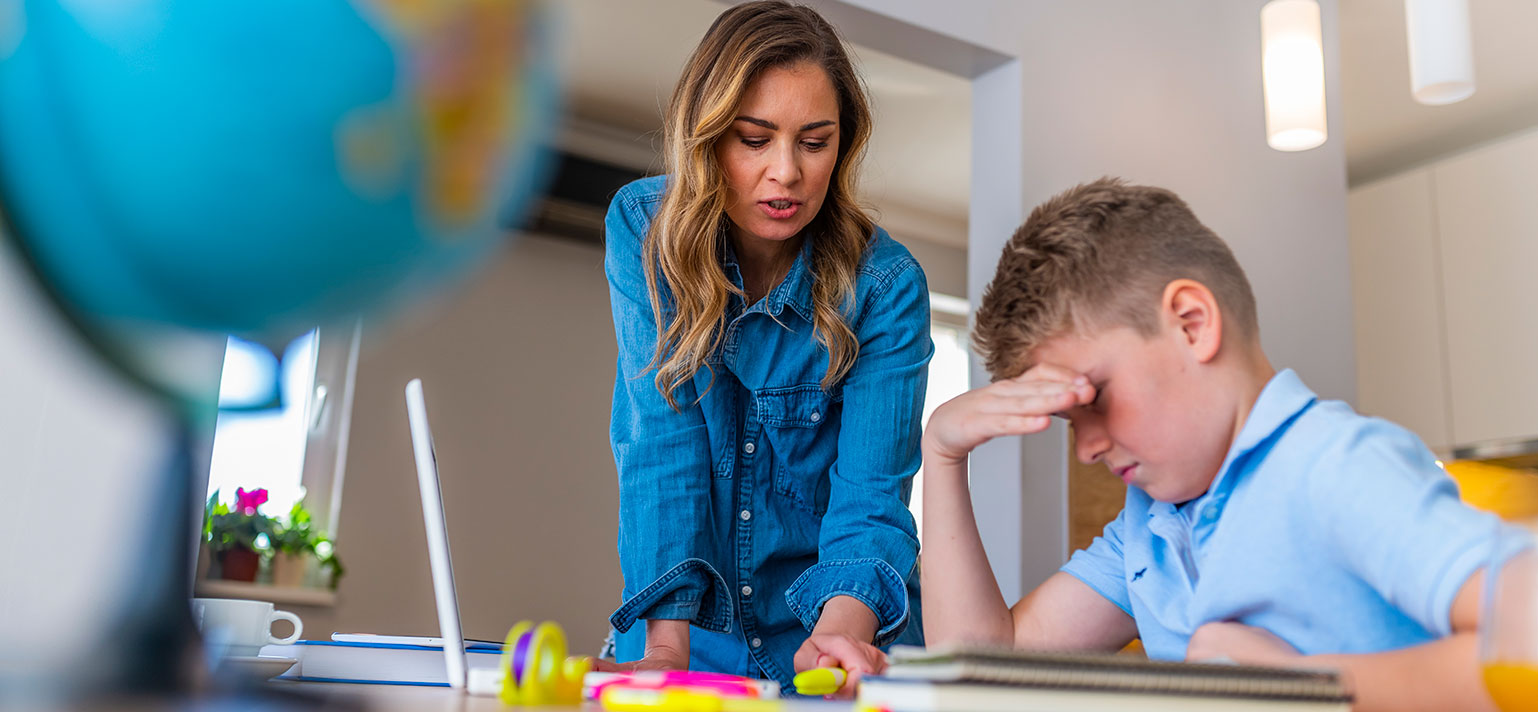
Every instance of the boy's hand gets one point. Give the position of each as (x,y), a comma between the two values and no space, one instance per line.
(1014,406)
(1239,643)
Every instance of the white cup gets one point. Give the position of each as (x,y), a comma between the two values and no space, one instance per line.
(241,627)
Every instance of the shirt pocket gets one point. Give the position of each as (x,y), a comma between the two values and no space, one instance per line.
(801,425)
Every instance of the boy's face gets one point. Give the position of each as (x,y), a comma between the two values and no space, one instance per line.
(1157,424)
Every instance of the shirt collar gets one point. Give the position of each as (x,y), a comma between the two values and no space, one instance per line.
(794,291)
(1283,398)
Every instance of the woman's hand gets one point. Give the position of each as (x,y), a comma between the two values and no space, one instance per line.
(667,648)
(840,650)
(842,639)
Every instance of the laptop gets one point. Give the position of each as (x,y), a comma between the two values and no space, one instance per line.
(451,639)
(437,535)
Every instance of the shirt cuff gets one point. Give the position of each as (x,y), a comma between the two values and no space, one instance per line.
(873,582)
(691,591)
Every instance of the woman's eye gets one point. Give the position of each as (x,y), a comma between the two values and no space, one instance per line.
(755,142)
(814,145)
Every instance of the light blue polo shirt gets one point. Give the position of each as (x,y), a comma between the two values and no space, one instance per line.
(1334,531)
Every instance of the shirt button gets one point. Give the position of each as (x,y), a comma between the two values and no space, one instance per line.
(746,515)
(1211,513)
(747,591)
(748,447)
(816,416)
(756,642)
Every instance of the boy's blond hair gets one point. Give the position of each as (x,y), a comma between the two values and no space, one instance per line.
(1099,255)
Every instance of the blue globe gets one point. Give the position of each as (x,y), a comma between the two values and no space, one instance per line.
(259,167)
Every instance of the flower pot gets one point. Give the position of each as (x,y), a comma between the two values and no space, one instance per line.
(288,569)
(204,562)
(239,564)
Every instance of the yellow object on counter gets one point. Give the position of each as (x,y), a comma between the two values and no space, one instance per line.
(820,681)
(543,674)
(679,699)
(1509,493)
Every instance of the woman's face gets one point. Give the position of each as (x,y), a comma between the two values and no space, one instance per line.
(780,151)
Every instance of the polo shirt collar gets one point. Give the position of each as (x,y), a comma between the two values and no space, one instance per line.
(1283,398)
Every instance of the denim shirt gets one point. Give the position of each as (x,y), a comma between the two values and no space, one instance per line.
(765,496)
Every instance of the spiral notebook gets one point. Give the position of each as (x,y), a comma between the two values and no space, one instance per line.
(986,679)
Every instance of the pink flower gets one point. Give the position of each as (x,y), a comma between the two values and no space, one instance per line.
(247,502)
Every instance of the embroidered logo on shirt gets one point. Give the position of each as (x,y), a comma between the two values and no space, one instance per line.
(1139,573)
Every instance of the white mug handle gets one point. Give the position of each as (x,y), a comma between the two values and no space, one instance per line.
(284,616)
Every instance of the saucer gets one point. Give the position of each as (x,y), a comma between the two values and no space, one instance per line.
(257,667)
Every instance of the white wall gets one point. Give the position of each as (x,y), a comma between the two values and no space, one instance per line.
(1166,93)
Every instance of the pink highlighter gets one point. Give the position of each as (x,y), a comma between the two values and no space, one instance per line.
(707,682)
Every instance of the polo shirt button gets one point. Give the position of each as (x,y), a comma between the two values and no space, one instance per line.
(756,642)
(747,591)
(1211,513)
(746,515)
(748,447)
(816,416)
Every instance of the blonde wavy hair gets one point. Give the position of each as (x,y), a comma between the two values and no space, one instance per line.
(686,238)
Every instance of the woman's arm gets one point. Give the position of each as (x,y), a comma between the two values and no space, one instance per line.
(867,545)
(662,455)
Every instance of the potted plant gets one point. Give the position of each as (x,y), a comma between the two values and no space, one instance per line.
(325,553)
(292,546)
(236,537)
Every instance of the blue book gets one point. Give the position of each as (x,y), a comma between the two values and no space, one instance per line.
(378,663)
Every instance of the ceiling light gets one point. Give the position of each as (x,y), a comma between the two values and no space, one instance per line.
(1441,51)
(1292,66)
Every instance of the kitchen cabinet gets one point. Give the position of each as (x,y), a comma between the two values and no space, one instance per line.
(1400,351)
(1487,224)
(1446,312)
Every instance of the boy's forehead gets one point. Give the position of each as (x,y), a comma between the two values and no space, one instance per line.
(1072,349)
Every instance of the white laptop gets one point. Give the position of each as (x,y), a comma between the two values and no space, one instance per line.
(437,535)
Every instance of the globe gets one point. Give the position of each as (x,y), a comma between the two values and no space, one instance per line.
(256,168)
(175,170)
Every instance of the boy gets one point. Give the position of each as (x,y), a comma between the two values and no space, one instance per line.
(1262,525)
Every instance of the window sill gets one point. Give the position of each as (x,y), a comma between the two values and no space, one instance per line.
(266,592)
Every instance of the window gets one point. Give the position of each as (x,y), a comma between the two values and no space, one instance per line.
(257,445)
(948,373)
(282,425)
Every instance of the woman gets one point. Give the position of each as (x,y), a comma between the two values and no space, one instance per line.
(772,352)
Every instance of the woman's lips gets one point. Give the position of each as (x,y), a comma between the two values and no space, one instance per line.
(780,208)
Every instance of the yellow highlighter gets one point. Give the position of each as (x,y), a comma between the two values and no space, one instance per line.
(679,699)
(820,681)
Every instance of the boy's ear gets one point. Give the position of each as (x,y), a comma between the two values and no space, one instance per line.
(1190,308)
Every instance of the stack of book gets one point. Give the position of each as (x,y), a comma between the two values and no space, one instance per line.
(988,680)
(381,660)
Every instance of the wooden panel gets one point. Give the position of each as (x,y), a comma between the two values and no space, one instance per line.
(1395,287)
(1095,497)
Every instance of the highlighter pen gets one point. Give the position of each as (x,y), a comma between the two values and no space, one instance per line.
(820,681)
(679,699)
